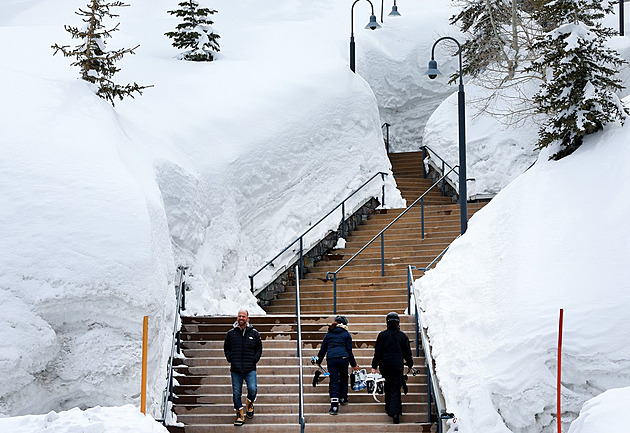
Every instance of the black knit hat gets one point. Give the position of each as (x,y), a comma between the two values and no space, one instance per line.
(341,320)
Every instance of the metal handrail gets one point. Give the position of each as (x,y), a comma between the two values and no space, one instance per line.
(439,157)
(300,238)
(421,333)
(299,351)
(176,344)
(381,235)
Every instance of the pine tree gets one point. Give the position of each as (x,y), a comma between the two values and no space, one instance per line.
(96,63)
(579,94)
(195,32)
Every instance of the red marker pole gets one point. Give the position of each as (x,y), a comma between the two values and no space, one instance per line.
(559,368)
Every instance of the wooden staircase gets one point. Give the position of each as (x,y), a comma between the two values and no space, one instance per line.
(204,397)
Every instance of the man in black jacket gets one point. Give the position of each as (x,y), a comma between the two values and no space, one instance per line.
(243,349)
(391,351)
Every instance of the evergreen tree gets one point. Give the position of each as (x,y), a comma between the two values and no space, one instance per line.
(96,63)
(195,33)
(579,94)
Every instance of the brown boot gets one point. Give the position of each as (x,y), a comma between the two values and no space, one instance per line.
(240,416)
(249,409)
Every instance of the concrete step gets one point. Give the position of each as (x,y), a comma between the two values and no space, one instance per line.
(315,418)
(320,397)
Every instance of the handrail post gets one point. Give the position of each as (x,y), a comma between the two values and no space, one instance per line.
(429,394)
(424,156)
(335,293)
(443,181)
(183,308)
(409,291)
(417,329)
(382,254)
(251,283)
(343,219)
(301,258)
(383,193)
(422,216)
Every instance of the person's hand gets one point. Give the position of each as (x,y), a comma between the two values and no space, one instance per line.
(373,370)
(356,367)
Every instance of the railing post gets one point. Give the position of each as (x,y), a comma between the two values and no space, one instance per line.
(179,342)
(417,329)
(429,380)
(382,254)
(409,291)
(251,283)
(183,308)
(387,125)
(335,293)
(422,216)
(383,190)
(424,156)
(343,219)
(301,258)
(443,181)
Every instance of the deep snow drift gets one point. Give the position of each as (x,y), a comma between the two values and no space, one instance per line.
(556,237)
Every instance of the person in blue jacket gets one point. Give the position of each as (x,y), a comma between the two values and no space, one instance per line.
(337,347)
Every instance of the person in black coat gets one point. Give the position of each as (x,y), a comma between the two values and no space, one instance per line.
(243,349)
(337,346)
(391,351)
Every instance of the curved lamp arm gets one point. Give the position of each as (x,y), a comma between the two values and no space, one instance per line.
(352,15)
(459,52)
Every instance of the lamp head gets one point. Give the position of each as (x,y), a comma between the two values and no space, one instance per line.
(372,25)
(394,12)
(432,71)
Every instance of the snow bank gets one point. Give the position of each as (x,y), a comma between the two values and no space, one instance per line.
(96,420)
(556,237)
(603,412)
(218,166)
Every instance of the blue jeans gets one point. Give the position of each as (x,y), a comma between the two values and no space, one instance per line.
(237,387)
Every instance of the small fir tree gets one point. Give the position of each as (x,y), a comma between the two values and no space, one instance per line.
(579,94)
(195,33)
(96,63)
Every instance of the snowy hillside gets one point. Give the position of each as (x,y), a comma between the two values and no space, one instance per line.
(218,166)
(555,237)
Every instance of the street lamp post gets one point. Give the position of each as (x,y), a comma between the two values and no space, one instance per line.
(393,13)
(433,72)
(373,25)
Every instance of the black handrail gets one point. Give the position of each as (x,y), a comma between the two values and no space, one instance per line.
(433,387)
(298,313)
(176,344)
(301,237)
(381,235)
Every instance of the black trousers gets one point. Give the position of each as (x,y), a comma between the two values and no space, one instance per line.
(338,385)
(394,380)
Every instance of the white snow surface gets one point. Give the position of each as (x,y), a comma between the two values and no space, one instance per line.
(556,237)
(603,413)
(217,167)
(124,419)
